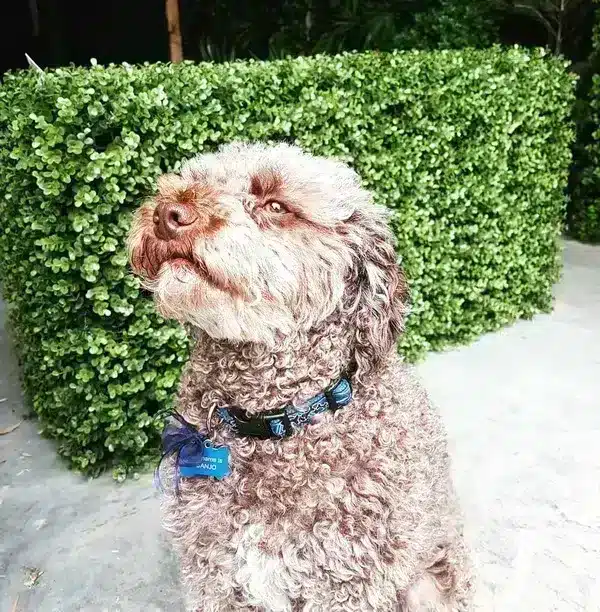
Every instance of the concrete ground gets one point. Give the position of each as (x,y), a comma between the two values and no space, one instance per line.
(522,408)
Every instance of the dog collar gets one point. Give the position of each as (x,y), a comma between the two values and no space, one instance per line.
(196,456)
(282,422)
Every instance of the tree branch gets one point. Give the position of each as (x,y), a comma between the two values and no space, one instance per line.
(539,15)
(174,28)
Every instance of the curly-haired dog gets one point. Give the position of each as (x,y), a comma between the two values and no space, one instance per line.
(285,272)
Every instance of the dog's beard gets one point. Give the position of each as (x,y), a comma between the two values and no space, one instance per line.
(181,294)
(251,290)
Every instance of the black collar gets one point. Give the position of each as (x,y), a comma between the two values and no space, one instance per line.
(282,422)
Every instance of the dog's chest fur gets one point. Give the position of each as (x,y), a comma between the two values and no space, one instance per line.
(344,500)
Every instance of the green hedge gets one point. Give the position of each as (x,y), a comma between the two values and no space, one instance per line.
(470,149)
(584,209)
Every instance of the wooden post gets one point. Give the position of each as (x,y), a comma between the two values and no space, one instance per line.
(174,27)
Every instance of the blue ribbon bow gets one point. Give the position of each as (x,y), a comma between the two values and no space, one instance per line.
(183,439)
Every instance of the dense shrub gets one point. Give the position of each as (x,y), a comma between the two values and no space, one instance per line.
(583,220)
(470,150)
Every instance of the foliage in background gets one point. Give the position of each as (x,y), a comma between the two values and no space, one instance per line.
(227,29)
(583,220)
(469,149)
(219,30)
(564,21)
(453,24)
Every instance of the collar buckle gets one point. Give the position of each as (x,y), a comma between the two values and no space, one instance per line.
(272,424)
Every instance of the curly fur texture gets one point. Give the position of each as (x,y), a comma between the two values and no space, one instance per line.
(288,276)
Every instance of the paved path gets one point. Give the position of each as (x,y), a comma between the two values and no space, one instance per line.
(522,408)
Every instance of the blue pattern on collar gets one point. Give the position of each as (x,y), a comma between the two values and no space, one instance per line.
(277,427)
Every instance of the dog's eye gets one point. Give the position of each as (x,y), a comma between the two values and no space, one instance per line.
(275,207)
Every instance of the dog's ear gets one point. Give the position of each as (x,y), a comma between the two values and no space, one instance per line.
(380,297)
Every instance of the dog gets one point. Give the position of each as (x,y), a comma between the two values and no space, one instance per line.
(335,494)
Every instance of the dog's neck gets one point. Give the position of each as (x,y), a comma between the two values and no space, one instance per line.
(257,377)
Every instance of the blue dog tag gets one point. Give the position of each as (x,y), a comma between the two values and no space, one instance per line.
(210,461)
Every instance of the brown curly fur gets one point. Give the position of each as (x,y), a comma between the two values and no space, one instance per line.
(355,512)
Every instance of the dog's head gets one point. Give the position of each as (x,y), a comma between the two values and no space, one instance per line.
(255,241)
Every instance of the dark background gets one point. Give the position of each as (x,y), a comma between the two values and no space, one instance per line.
(73,31)
(63,32)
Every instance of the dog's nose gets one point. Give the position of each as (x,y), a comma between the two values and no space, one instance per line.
(173,219)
